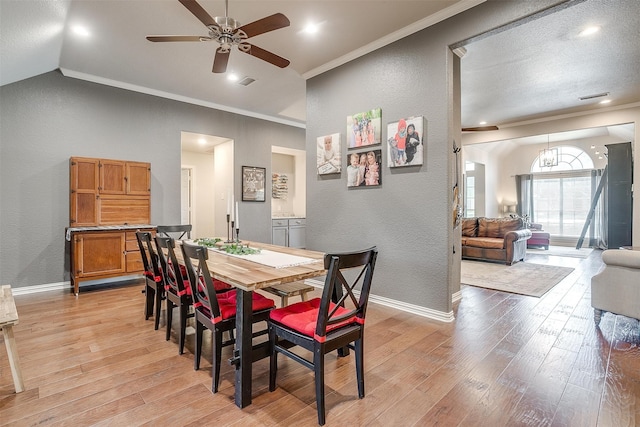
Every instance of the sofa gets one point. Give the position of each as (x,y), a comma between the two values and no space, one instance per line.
(616,288)
(494,239)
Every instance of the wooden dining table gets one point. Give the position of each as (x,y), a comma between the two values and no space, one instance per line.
(247,276)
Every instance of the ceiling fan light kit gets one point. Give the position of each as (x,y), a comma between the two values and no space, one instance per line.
(227,32)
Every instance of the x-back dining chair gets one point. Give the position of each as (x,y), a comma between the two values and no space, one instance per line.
(216,311)
(154,282)
(178,232)
(177,289)
(321,325)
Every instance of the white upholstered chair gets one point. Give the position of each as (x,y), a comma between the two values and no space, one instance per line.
(616,288)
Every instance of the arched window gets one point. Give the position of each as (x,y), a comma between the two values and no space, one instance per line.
(569,158)
(562,194)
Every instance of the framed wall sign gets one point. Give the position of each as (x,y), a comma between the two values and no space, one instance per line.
(253,183)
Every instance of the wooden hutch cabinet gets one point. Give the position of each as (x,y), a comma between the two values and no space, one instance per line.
(109,201)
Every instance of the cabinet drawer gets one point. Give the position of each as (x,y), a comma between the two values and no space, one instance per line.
(297,221)
(279,222)
(132,246)
(134,262)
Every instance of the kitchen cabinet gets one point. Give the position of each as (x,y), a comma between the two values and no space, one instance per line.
(289,232)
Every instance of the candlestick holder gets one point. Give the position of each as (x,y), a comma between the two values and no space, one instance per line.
(229,230)
(238,236)
(230,240)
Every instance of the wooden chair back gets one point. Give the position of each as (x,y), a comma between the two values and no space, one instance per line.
(202,288)
(178,232)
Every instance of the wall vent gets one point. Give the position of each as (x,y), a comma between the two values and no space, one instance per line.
(246,81)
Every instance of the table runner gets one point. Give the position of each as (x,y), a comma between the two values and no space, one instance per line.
(272,258)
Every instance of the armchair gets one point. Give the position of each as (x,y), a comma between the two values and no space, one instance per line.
(616,288)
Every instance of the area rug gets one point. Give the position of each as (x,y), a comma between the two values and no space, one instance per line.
(521,278)
(561,251)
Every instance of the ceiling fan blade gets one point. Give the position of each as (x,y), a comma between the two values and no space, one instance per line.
(176,38)
(264,25)
(199,12)
(265,55)
(220,61)
(480,129)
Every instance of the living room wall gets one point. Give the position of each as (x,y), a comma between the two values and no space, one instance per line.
(510,160)
(49,118)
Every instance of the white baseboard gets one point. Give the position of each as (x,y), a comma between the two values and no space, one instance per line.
(399,305)
(457,296)
(25,290)
(57,286)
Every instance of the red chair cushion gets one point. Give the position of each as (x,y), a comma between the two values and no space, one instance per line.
(227,303)
(303,316)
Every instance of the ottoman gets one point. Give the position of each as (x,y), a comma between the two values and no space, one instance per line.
(539,238)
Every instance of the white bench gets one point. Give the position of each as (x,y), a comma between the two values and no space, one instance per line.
(8,318)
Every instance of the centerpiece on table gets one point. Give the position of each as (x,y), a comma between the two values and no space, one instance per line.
(234,248)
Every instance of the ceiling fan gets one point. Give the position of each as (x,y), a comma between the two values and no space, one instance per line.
(479,129)
(227,32)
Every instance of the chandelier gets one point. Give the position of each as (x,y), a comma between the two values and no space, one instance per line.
(548,156)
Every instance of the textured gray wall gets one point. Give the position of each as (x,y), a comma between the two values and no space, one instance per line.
(409,216)
(47,119)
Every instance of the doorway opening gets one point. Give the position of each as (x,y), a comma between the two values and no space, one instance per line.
(206,182)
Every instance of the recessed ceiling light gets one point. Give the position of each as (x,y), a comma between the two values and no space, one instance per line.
(600,157)
(589,30)
(202,141)
(593,146)
(483,122)
(81,31)
(311,28)
(605,101)
(232,77)
(597,152)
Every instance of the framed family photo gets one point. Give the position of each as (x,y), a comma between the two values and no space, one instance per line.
(405,144)
(364,168)
(253,179)
(328,157)
(364,129)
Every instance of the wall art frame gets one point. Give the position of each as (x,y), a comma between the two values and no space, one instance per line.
(364,129)
(253,181)
(364,168)
(329,157)
(405,142)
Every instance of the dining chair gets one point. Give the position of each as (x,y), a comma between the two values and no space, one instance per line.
(177,288)
(154,282)
(321,325)
(178,232)
(216,311)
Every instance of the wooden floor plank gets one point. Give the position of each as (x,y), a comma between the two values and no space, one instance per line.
(506,360)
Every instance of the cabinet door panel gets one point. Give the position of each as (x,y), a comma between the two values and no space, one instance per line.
(100,253)
(138,178)
(297,237)
(84,176)
(112,177)
(279,236)
(84,209)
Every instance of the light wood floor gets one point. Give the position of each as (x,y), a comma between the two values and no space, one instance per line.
(507,360)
